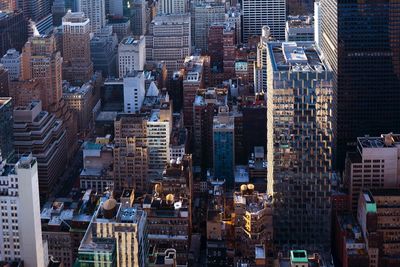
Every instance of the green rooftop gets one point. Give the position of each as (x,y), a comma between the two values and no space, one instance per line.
(298,256)
(93,146)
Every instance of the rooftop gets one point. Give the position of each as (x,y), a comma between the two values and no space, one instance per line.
(385,140)
(296,57)
(131,40)
(171,19)
(353,235)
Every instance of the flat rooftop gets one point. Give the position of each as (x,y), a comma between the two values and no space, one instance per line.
(296,57)
(171,19)
(385,140)
(131,40)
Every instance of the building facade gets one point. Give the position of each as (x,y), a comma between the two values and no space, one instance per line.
(6,127)
(12,62)
(95,10)
(299,143)
(131,55)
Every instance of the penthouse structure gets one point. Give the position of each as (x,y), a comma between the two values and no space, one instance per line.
(40,133)
(300,142)
(253,223)
(373,165)
(118,233)
(377,213)
(168,40)
(20,232)
(299,28)
(77,60)
(131,55)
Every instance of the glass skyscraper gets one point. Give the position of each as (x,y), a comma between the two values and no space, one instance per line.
(299,144)
(6,127)
(361,42)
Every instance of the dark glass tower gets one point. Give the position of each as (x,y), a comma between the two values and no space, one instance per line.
(6,127)
(360,40)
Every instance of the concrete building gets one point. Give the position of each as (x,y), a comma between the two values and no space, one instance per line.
(6,127)
(12,62)
(41,61)
(317,22)
(124,229)
(299,143)
(233,16)
(13,31)
(134,91)
(168,40)
(9,5)
(173,7)
(103,50)
(95,10)
(204,16)
(64,223)
(205,103)
(259,13)
(40,133)
(194,78)
(260,66)
(377,214)
(120,26)
(131,55)
(350,245)
(373,165)
(299,28)
(20,231)
(159,127)
(81,100)
(175,210)
(97,173)
(130,152)
(224,146)
(253,223)
(77,61)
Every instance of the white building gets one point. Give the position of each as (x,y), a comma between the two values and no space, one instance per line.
(299,28)
(134,91)
(131,55)
(374,165)
(159,126)
(12,62)
(260,66)
(172,7)
(259,13)
(20,226)
(95,10)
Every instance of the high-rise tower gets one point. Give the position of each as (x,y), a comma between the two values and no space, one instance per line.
(95,10)
(360,42)
(77,62)
(259,13)
(299,143)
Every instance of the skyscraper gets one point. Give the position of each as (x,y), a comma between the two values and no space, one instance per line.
(77,61)
(299,143)
(360,42)
(21,233)
(173,7)
(259,13)
(12,62)
(95,10)
(6,127)
(40,60)
(131,55)
(34,9)
(13,31)
(168,40)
